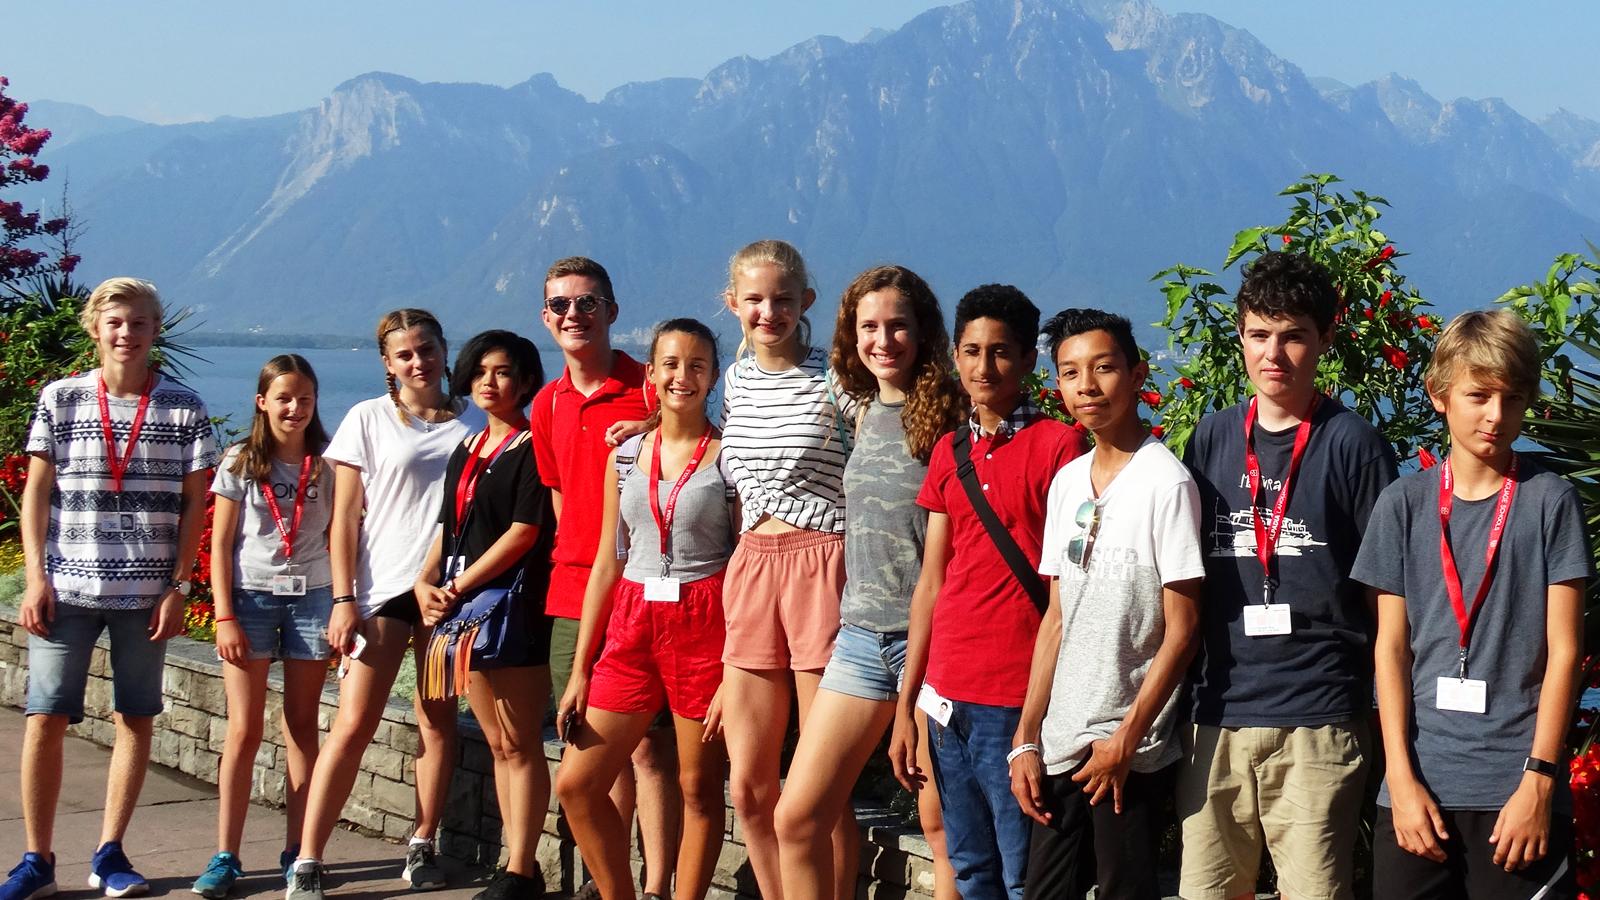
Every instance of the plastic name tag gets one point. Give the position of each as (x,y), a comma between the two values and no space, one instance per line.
(288,585)
(116,523)
(661,590)
(454,566)
(937,707)
(1263,619)
(1468,695)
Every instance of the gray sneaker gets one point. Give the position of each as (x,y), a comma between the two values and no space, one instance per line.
(422,870)
(305,881)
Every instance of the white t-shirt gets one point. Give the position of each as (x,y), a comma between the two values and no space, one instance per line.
(1112,621)
(105,550)
(402,473)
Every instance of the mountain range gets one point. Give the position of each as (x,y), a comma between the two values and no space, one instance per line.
(1072,147)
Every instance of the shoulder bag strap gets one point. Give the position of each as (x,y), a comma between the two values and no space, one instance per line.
(1038,591)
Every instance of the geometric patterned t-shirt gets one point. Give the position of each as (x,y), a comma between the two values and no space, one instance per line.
(105,550)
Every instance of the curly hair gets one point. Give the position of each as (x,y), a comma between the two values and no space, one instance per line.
(1284,285)
(934,403)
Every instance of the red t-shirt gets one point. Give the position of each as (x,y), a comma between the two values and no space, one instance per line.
(984,624)
(569,445)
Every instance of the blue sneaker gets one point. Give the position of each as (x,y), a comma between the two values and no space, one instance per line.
(34,877)
(111,870)
(218,878)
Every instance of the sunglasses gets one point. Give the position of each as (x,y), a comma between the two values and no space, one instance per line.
(586,304)
(1088,521)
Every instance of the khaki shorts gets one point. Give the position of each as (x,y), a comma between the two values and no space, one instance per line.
(1298,790)
(781,600)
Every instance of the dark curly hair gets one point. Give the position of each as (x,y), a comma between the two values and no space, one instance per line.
(1284,285)
(1003,303)
(525,365)
(1073,322)
(934,402)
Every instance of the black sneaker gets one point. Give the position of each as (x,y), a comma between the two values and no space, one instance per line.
(422,870)
(511,886)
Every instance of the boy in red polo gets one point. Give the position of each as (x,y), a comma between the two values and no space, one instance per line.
(973,619)
(569,419)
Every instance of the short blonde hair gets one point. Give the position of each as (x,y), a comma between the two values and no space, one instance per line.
(1493,346)
(121,289)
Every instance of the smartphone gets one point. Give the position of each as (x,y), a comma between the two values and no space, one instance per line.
(569,727)
(360,644)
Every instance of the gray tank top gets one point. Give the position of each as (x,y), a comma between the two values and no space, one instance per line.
(702,522)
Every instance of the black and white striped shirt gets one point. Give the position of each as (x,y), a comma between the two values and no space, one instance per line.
(784,439)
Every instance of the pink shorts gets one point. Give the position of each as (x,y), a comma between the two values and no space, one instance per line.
(659,653)
(782,600)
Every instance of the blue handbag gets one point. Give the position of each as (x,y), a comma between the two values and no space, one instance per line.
(486,630)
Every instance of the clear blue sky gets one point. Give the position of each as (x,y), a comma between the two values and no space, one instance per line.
(176,60)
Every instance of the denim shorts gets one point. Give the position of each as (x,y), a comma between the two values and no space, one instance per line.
(866,664)
(285,627)
(58,665)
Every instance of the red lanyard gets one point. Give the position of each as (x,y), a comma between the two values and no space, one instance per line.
(1267,534)
(288,533)
(664,518)
(1452,576)
(119,465)
(475,466)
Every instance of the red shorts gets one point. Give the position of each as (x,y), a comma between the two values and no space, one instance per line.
(782,600)
(659,653)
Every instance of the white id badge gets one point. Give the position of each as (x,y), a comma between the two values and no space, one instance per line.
(116,523)
(1263,619)
(288,585)
(937,707)
(1468,695)
(661,590)
(454,566)
(360,644)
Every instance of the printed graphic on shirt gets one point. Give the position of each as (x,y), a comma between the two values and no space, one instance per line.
(1233,532)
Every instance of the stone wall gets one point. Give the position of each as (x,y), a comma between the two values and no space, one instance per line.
(189,737)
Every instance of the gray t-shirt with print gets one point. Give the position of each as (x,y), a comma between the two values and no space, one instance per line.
(258,551)
(884,527)
(1468,760)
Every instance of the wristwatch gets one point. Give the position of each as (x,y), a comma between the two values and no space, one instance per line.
(1541,766)
(181,585)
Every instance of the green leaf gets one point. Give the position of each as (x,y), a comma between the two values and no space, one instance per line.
(1244,242)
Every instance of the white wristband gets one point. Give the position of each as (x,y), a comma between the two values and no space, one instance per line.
(1019,750)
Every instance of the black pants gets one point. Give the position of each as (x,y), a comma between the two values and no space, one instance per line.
(1469,872)
(1085,845)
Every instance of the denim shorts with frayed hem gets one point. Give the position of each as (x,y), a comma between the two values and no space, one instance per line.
(866,664)
(285,627)
(58,664)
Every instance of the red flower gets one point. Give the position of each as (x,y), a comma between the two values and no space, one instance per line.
(1151,398)
(1286,240)
(1395,356)
(1425,323)
(1157,430)
(1368,313)
(1383,298)
(1186,383)
(1426,457)
(1383,255)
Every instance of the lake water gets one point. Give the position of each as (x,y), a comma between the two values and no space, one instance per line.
(226,379)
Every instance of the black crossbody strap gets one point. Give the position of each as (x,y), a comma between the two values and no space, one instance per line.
(1038,592)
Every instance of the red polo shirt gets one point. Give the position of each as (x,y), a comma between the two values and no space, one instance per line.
(569,444)
(984,624)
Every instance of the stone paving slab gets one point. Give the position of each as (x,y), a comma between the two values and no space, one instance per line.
(173,833)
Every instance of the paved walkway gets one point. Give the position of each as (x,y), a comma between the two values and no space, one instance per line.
(174,833)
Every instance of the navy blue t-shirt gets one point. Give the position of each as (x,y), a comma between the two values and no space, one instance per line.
(1321,672)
